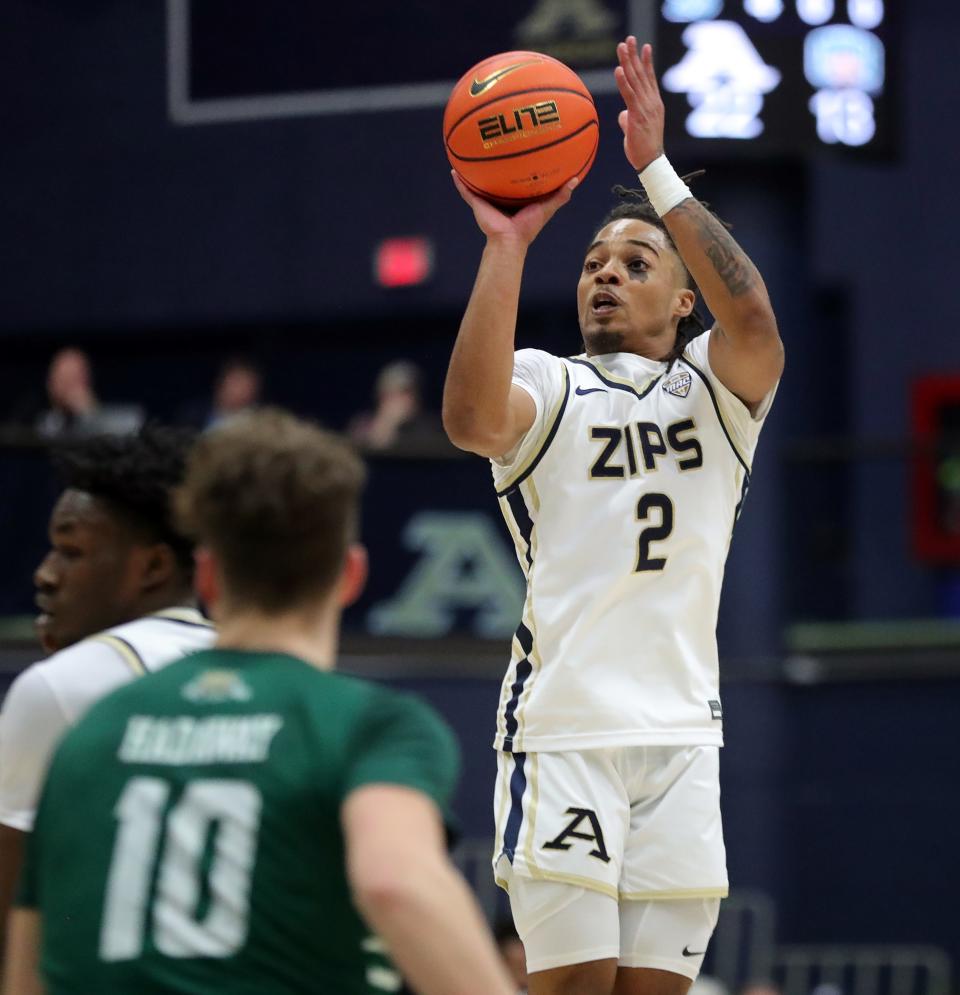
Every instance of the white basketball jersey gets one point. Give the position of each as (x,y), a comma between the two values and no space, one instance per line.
(50,696)
(621,500)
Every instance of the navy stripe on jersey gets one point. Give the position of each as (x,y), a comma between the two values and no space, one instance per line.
(743,496)
(639,394)
(524,670)
(716,407)
(521,515)
(546,442)
(130,647)
(736,452)
(518,784)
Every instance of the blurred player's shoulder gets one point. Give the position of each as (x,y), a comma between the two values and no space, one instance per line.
(157,639)
(84,672)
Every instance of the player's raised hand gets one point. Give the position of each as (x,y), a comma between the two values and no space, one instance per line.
(526,224)
(642,121)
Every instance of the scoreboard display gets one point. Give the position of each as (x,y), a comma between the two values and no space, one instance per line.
(770,77)
(778,76)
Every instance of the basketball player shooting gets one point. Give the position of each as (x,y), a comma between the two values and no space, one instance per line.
(620,474)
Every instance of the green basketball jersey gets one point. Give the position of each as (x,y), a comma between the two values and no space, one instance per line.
(188,838)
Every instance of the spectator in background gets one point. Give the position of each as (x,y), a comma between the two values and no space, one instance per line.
(511,950)
(398,421)
(74,408)
(237,388)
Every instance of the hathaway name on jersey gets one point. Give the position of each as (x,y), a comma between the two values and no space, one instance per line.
(182,739)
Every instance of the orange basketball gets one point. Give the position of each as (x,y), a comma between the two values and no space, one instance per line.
(518,126)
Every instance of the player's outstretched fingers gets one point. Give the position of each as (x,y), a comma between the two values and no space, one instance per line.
(648,71)
(549,206)
(533,217)
(637,67)
(630,63)
(468,195)
(560,197)
(642,122)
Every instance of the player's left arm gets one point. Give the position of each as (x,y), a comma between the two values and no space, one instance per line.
(746,352)
(22,973)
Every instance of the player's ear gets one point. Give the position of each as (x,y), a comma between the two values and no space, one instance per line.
(685,301)
(155,565)
(353,577)
(206,577)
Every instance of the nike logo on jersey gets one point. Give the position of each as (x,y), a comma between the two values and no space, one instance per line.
(687,952)
(478,86)
(590,390)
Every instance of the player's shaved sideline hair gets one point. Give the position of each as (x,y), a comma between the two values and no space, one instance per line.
(277,501)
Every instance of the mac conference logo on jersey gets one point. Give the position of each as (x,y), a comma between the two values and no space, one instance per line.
(678,384)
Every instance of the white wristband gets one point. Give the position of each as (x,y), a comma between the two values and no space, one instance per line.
(662,185)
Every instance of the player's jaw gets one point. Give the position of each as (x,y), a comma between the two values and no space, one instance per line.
(78,607)
(65,615)
(613,319)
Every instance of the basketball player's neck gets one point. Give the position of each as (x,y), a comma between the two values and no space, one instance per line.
(603,342)
(309,634)
(168,597)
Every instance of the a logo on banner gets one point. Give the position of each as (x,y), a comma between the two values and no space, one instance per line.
(464,568)
(581,32)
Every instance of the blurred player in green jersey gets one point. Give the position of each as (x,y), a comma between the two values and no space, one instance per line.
(245,820)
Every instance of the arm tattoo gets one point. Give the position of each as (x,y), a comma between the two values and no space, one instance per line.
(729,260)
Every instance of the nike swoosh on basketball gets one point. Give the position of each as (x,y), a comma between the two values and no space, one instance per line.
(687,952)
(590,390)
(479,85)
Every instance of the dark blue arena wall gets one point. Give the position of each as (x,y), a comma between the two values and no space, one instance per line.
(118,223)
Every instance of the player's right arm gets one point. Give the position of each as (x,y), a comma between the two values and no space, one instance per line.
(31,724)
(412,896)
(483,412)
(22,972)
(396,789)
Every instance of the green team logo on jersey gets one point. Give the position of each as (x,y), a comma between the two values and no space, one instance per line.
(216,686)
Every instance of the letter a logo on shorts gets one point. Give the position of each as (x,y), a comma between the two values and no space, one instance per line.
(579,814)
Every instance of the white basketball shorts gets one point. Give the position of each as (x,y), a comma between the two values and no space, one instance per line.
(561,924)
(635,823)
(639,825)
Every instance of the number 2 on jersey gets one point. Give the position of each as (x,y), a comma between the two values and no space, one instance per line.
(217,816)
(653,533)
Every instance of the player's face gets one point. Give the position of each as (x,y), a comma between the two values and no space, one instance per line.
(631,291)
(88,580)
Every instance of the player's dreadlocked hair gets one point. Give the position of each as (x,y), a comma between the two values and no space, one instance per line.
(135,475)
(635,205)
